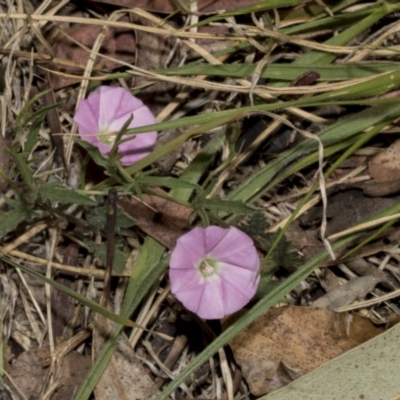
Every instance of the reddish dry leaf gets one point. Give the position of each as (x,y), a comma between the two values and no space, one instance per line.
(170,6)
(161,219)
(385,166)
(118,43)
(301,338)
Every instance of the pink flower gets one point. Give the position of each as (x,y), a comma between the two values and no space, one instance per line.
(214,271)
(104,112)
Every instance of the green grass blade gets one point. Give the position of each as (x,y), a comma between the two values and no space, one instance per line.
(196,168)
(148,264)
(148,268)
(268,301)
(284,72)
(344,37)
(332,135)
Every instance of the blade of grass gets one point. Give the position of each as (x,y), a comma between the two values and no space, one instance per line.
(346,154)
(173,144)
(332,135)
(344,37)
(337,21)
(260,6)
(379,84)
(336,72)
(268,301)
(196,168)
(148,267)
(82,299)
(369,239)
(350,95)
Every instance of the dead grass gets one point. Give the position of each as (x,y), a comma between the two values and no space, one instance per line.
(46,333)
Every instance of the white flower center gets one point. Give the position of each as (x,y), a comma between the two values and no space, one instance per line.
(207,267)
(107,137)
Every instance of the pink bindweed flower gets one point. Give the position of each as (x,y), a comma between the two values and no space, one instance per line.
(214,271)
(105,111)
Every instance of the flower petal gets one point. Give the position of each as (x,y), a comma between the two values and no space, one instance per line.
(238,286)
(212,304)
(87,121)
(236,248)
(142,116)
(137,148)
(231,288)
(241,279)
(214,235)
(106,110)
(235,300)
(114,103)
(205,299)
(184,280)
(189,250)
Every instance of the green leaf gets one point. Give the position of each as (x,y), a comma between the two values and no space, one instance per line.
(97,218)
(20,160)
(52,191)
(314,24)
(23,115)
(315,56)
(99,250)
(334,134)
(283,254)
(33,135)
(203,216)
(256,224)
(267,284)
(41,113)
(11,219)
(197,167)
(260,6)
(95,153)
(284,72)
(166,181)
